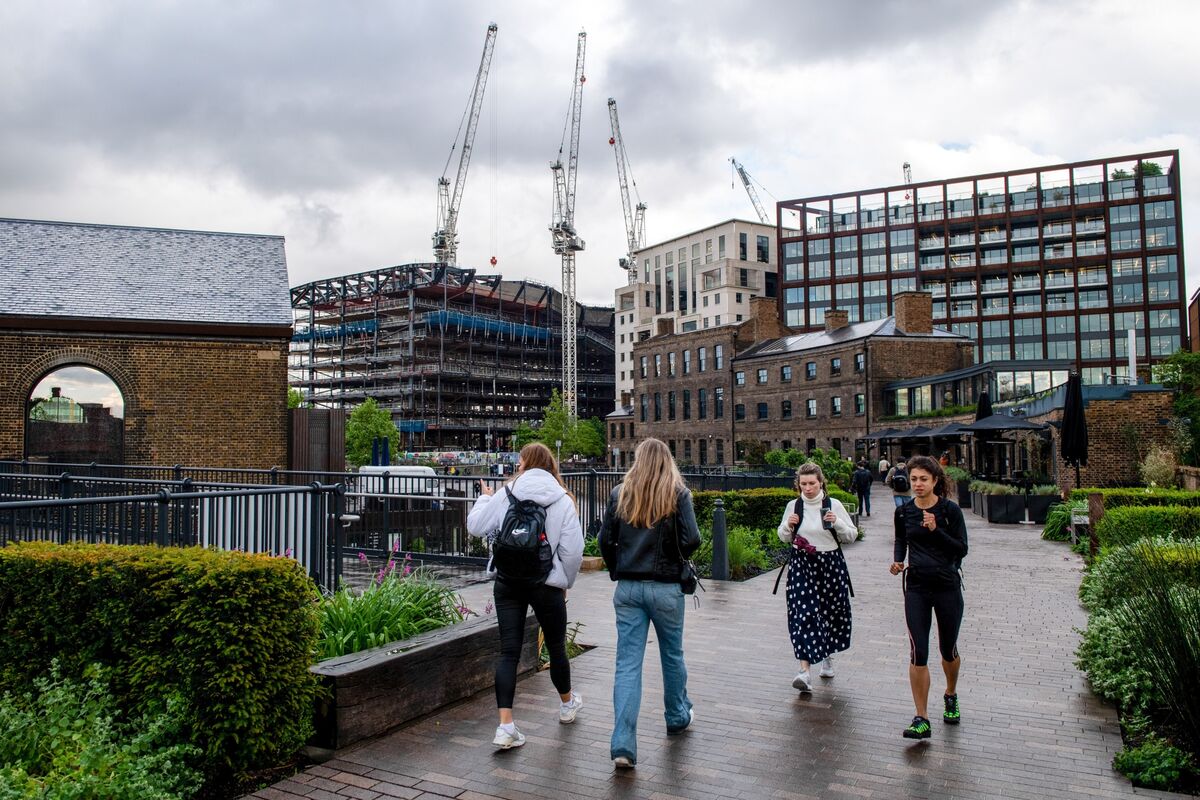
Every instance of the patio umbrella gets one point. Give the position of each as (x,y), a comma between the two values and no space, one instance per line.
(1074,440)
(886,433)
(997,423)
(949,429)
(983,410)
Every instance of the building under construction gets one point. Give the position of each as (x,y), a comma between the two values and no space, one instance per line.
(458,358)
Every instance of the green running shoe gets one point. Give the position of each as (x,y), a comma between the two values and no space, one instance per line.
(919,729)
(951,715)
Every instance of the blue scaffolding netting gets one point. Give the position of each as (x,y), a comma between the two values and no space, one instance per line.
(449,319)
(335,332)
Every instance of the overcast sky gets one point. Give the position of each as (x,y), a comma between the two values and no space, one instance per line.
(330,122)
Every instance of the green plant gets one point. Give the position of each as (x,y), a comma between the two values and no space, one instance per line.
(591,546)
(989,487)
(1150,496)
(1113,665)
(389,610)
(747,552)
(1118,575)
(1058,520)
(366,423)
(755,508)
(1155,764)
(1127,525)
(416,545)
(230,635)
(958,474)
(574,648)
(1158,467)
(65,739)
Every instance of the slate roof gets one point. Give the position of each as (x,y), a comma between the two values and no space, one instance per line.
(849,333)
(109,272)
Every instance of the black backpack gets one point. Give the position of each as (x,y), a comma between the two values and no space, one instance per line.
(521,552)
(900,481)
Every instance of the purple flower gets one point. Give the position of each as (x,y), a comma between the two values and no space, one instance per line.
(408,568)
(489,608)
(396,545)
(463,611)
(287,553)
(362,556)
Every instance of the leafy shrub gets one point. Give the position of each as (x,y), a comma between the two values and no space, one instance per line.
(755,508)
(1113,666)
(1058,520)
(1155,764)
(231,635)
(989,487)
(1128,524)
(1044,489)
(1115,498)
(747,553)
(1116,577)
(63,739)
(958,474)
(395,608)
(1158,467)
(591,545)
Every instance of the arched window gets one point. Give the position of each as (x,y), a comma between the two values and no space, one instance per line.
(75,415)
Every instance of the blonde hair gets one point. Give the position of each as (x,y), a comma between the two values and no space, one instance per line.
(811,468)
(650,491)
(536,455)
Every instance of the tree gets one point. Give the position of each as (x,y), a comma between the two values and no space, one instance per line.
(579,438)
(585,440)
(367,423)
(1121,175)
(1181,371)
(753,452)
(295,397)
(523,435)
(1151,169)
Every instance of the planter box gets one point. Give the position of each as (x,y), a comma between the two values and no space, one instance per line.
(1039,506)
(977,503)
(964,495)
(1003,509)
(374,691)
(592,564)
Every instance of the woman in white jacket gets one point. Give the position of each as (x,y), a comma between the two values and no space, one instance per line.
(536,479)
(818,586)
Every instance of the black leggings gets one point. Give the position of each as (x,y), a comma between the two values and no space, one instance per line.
(550,607)
(921,603)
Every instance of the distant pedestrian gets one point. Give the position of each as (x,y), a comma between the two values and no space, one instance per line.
(536,577)
(931,533)
(897,479)
(884,466)
(818,584)
(649,529)
(860,481)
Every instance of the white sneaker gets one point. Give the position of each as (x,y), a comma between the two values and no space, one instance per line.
(506,741)
(622,762)
(827,667)
(802,682)
(567,711)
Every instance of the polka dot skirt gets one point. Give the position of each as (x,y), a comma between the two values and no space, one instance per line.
(818,604)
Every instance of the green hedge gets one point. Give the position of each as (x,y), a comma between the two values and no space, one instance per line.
(1117,577)
(230,636)
(1128,524)
(753,508)
(1116,498)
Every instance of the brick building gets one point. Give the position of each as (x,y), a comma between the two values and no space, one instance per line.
(704,391)
(191,327)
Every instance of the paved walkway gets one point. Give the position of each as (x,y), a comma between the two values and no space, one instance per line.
(1031,728)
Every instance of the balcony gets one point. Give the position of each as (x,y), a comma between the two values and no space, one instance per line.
(933,243)
(995,287)
(993,236)
(1091,247)
(1056,229)
(1031,283)
(959,289)
(959,260)
(1089,226)
(1024,234)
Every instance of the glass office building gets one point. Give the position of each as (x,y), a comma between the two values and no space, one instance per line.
(1048,263)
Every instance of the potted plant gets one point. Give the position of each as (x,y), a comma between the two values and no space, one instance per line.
(962,485)
(998,502)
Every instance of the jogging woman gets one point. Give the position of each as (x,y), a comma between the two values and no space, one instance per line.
(536,479)
(930,531)
(818,584)
(649,528)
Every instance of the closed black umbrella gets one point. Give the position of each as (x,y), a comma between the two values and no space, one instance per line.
(984,407)
(1074,439)
(983,410)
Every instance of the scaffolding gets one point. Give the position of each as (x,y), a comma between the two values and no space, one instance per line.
(459,359)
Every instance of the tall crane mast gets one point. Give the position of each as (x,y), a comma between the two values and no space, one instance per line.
(758,206)
(445,238)
(635,216)
(907,173)
(563,237)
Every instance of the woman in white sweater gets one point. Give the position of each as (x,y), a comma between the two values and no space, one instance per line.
(818,585)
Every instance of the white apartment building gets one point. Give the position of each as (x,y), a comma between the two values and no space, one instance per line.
(702,279)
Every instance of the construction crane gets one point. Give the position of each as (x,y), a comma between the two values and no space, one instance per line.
(907,180)
(445,238)
(758,206)
(563,236)
(635,216)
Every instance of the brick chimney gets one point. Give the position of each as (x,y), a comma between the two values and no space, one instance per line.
(664,326)
(836,318)
(913,312)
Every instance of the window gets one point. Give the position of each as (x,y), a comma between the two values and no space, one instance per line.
(687,362)
(785,409)
(702,404)
(810,408)
(737,297)
(762,411)
(719,357)
(860,404)
(742,247)
(739,378)
(762,376)
(657,407)
(720,451)
(643,368)
(739,412)
(764,249)
(687,450)
(1118,215)
(719,402)
(835,366)
(687,404)
(658,365)
(860,362)
(645,404)
(701,359)
(785,374)
(835,406)
(810,371)
(721,246)
(670,406)
(671,364)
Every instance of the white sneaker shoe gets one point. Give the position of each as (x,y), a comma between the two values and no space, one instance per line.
(802,682)
(507,741)
(827,667)
(622,762)
(567,711)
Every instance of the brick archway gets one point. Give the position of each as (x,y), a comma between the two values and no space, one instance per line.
(101,438)
(32,373)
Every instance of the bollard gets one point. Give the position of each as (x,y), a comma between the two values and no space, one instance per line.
(720,543)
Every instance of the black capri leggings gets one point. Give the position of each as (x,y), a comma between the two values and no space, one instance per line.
(921,604)
(550,607)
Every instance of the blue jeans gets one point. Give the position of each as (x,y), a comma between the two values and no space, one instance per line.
(639,603)
(901,499)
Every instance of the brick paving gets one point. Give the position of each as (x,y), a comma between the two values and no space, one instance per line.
(1031,728)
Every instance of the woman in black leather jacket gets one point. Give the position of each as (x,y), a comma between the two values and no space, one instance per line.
(649,529)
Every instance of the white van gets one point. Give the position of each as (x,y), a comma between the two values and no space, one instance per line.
(400,480)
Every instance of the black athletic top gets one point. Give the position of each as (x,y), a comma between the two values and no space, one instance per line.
(932,550)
